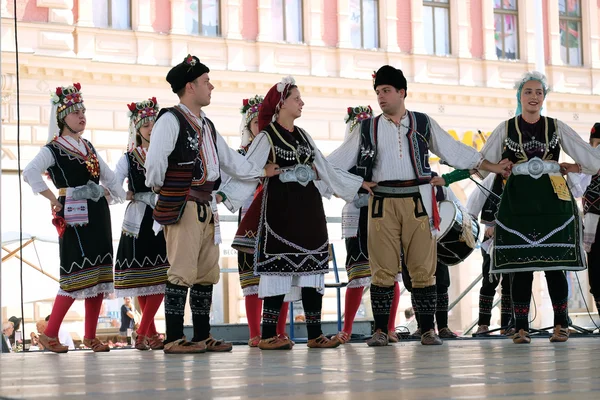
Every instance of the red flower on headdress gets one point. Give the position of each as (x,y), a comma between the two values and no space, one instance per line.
(593,130)
(245,102)
(374,75)
(349,110)
(154,101)
(131,107)
(77,86)
(58,91)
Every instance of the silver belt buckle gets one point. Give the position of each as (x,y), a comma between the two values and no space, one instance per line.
(300,173)
(535,168)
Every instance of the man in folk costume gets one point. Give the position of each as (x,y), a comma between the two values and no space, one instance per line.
(588,187)
(354,232)
(392,149)
(183,166)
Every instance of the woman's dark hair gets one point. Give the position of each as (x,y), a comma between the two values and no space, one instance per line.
(61,126)
(138,138)
(289,92)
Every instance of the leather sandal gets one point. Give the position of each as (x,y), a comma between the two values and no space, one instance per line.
(560,334)
(322,342)
(430,338)
(378,339)
(275,343)
(96,345)
(343,337)
(182,346)
(52,344)
(155,342)
(521,337)
(215,345)
(141,342)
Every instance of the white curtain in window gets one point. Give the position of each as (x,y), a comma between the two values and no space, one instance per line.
(293,21)
(277,21)
(100,13)
(355,23)
(191,17)
(370,24)
(210,17)
(121,14)
(442,31)
(428,29)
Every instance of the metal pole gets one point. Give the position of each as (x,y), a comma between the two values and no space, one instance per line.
(540,58)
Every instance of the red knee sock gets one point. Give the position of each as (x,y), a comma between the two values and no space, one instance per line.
(59,310)
(352,303)
(253,314)
(92,311)
(394,309)
(149,309)
(282,318)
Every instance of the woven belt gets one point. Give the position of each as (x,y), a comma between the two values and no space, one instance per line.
(536,167)
(395,190)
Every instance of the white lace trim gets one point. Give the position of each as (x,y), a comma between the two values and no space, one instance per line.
(360,282)
(93,291)
(250,290)
(141,291)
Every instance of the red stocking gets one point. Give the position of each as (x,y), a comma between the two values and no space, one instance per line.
(253,314)
(394,309)
(59,310)
(149,309)
(352,303)
(282,318)
(92,311)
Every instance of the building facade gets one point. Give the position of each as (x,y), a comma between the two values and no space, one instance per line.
(461,59)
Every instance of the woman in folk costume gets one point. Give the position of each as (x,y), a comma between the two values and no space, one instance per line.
(248,279)
(538,226)
(81,215)
(354,231)
(291,252)
(141,265)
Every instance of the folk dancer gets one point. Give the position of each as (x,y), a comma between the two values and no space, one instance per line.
(141,265)
(248,279)
(183,166)
(354,232)
(81,215)
(291,250)
(392,149)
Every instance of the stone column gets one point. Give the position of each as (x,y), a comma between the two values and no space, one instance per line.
(489,41)
(265,21)
(459,29)
(142,16)
(388,19)
(554,33)
(85,12)
(344,24)
(313,22)
(231,19)
(418,36)
(591,34)
(178,17)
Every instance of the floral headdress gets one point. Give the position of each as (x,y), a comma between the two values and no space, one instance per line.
(67,99)
(530,76)
(64,101)
(140,113)
(249,110)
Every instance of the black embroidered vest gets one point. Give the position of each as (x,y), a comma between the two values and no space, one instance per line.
(591,197)
(186,169)
(490,207)
(526,141)
(136,175)
(418,139)
(69,170)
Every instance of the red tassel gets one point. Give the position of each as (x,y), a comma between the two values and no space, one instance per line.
(60,224)
(435,211)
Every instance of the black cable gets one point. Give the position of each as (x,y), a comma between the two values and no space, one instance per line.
(19,172)
(585,302)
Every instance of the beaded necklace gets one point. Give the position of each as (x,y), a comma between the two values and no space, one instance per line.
(90,159)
